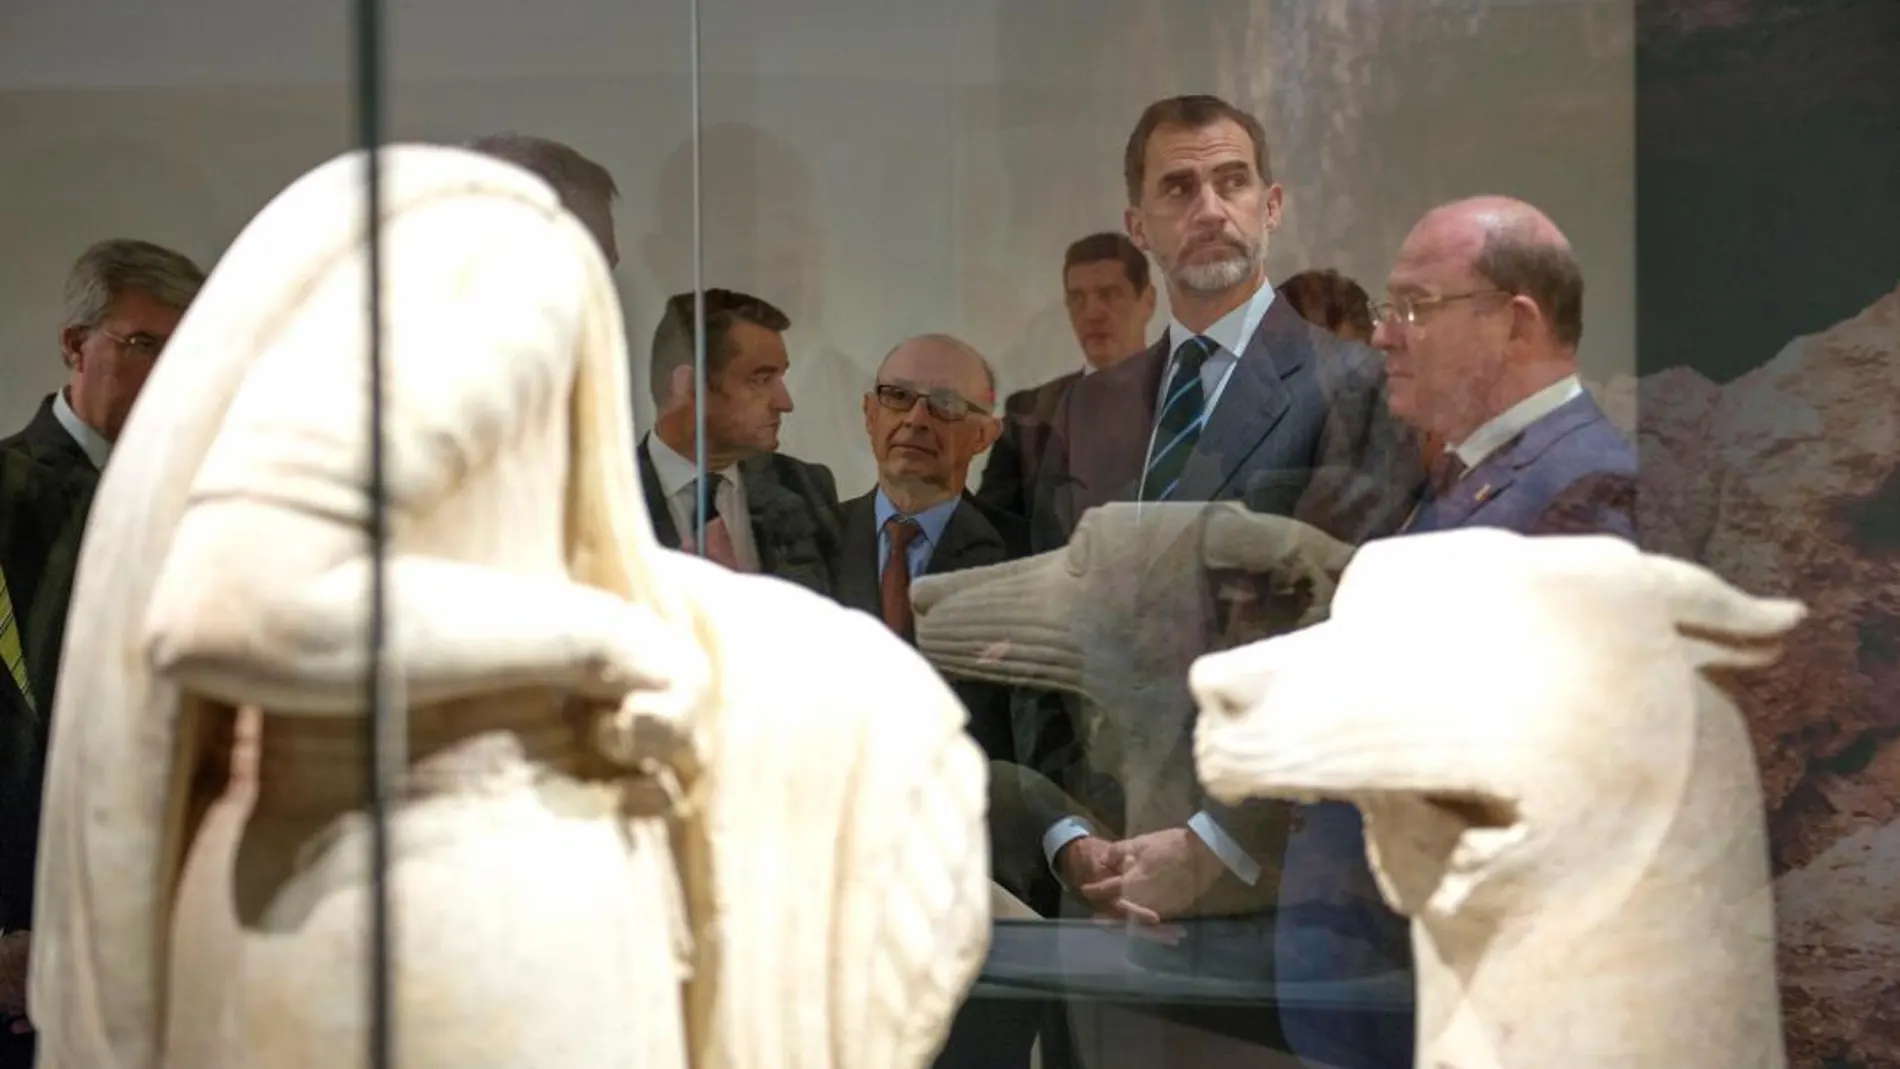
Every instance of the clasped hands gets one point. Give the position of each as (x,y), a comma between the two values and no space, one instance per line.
(1146,880)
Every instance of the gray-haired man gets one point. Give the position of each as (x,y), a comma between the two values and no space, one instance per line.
(123,300)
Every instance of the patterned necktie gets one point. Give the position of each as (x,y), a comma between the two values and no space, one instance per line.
(1183,414)
(11,651)
(894,585)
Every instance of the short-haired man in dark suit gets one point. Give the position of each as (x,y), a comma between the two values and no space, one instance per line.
(928,415)
(1110,299)
(1481,327)
(1241,400)
(755,509)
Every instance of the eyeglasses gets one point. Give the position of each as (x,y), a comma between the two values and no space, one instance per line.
(146,345)
(946,405)
(1406,310)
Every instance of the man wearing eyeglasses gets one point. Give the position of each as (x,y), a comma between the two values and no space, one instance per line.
(928,415)
(1480,333)
(123,300)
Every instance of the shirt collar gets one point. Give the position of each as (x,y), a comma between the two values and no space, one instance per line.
(932,520)
(94,444)
(1232,331)
(1514,420)
(677,472)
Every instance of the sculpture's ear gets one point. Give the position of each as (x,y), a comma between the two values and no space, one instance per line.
(1235,539)
(1727,625)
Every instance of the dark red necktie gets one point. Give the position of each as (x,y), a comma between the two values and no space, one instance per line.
(894,587)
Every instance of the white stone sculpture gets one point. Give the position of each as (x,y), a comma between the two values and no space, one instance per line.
(655,813)
(1557,791)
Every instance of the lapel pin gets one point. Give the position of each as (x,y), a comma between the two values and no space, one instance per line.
(1483,494)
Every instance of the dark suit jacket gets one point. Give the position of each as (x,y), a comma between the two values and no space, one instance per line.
(975,536)
(46,488)
(794,510)
(1028,415)
(1571,472)
(1301,429)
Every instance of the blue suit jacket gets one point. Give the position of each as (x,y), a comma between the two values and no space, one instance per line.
(1571,472)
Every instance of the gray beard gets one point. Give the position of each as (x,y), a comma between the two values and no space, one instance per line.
(1219,276)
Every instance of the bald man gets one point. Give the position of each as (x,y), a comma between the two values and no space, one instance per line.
(929,414)
(1480,333)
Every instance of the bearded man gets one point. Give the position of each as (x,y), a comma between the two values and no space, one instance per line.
(1240,400)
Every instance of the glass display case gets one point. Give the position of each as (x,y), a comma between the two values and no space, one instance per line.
(922,305)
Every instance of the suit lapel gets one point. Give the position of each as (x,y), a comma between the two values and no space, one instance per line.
(1033,431)
(657,510)
(1489,481)
(857,572)
(1257,397)
(1108,454)
(969,541)
(1480,486)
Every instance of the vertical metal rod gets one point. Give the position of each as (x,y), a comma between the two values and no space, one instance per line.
(699,290)
(385,730)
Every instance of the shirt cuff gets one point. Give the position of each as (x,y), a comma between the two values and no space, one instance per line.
(1225,848)
(1060,834)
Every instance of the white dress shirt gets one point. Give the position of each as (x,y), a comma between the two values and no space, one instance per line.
(94,444)
(1231,333)
(677,477)
(1508,424)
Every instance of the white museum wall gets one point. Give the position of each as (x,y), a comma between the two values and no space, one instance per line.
(876,167)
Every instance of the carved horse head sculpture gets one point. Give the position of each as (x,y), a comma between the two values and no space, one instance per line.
(1556,788)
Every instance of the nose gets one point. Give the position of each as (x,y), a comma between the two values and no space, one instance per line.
(1384,335)
(781,397)
(1207,205)
(1229,684)
(918,414)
